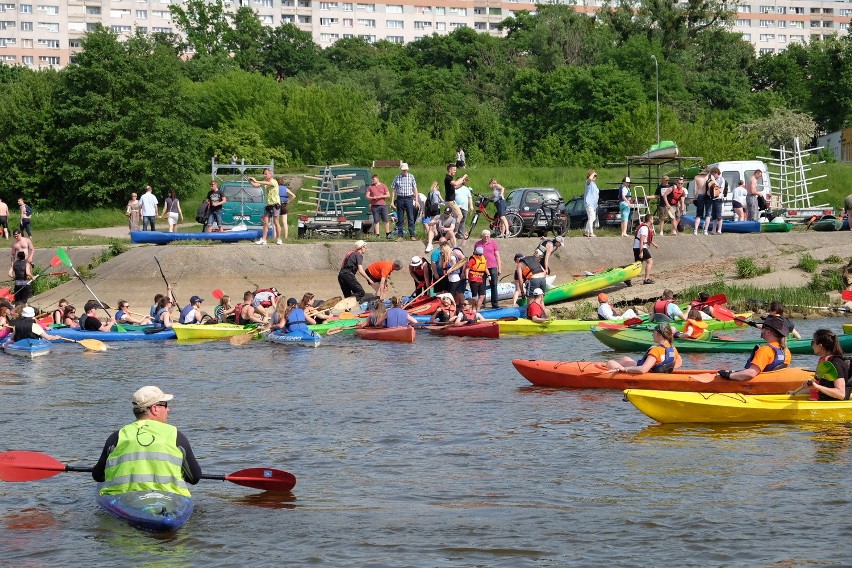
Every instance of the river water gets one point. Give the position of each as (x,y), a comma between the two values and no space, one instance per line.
(432,454)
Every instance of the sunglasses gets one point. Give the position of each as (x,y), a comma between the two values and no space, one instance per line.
(164,404)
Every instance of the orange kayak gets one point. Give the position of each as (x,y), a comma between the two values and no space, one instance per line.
(593,375)
(401,334)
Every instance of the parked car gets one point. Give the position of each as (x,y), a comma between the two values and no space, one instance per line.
(607,209)
(527,200)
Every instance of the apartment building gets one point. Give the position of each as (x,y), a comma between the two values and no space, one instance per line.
(46,33)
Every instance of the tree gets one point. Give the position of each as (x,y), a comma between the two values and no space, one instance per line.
(781,127)
(246,39)
(204,24)
(289,51)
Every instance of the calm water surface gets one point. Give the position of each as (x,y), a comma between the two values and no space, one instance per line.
(433,454)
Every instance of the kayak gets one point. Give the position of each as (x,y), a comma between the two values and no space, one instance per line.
(161,237)
(672,406)
(847,328)
(400,334)
(489,314)
(323,328)
(150,333)
(483,329)
(27,347)
(591,283)
(688,221)
(774,227)
(638,340)
(149,510)
(712,324)
(296,337)
(209,331)
(525,326)
(593,375)
(827,223)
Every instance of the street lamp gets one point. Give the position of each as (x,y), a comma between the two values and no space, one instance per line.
(657,69)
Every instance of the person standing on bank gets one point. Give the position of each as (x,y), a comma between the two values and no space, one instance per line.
(171,209)
(149,209)
(21,243)
(285,195)
(4,218)
(26,217)
(624,205)
(590,200)
(377,196)
(752,208)
(148,454)
(404,191)
(134,212)
(22,273)
(273,204)
(641,246)
(491,251)
(352,265)
(699,183)
(215,200)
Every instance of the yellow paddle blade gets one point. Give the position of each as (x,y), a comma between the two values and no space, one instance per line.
(241,339)
(93,344)
(328,303)
(347,316)
(344,305)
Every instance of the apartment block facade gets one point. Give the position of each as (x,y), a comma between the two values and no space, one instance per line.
(46,33)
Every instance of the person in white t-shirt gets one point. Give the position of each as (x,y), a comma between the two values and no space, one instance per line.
(607,312)
(641,246)
(464,199)
(149,208)
(738,201)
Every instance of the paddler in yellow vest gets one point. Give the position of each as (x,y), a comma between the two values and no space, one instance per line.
(148,454)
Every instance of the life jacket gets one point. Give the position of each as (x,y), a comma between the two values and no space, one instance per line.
(535,309)
(24,328)
(238,314)
(468,317)
(419,272)
(650,235)
(621,197)
(541,249)
(696,328)
(664,366)
(777,362)
(61,313)
(184,312)
(675,195)
(146,458)
(346,265)
(19,268)
(477,267)
(396,317)
(158,317)
(296,321)
(530,267)
(266,297)
(662,307)
(445,313)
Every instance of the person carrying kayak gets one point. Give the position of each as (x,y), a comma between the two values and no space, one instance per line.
(529,275)
(545,250)
(536,310)
(659,358)
(148,454)
(765,358)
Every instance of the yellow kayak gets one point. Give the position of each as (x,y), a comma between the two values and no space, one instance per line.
(675,406)
(208,331)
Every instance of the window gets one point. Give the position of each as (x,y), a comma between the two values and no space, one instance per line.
(10,58)
(766,50)
(845,12)
(843,26)
(797,10)
(287,4)
(767,23)
(328,22)
(27,59)
(90,27)
(480,26)
(48,59)
(368,38)
(767,37)
(161,30)
(367,23)
(495,11)
(304,20)
(422,25)
(267,20)
(815,23)
(365,7)
(73,43)
(746,37)
(7,24)
(348,22)
(814,10)
(458,11)
(440,26)
(348,36)
(422,9)
(264,3)
(49,10)
(49,26)
(118,13)
(346,6)
(287,19)
(744,23)
(7,41)
(329,38)
(796,24)
(142,29)
(25,8)
(328,5)
(744,9)
(26,26)
(767,9)
(141,14)
(393,9)
(782,23)
(49,43)
(304,4)
(440,11)
(782,38)
(396,39)
(160,14)
(781,10)
(479,11)
(395,24)
(456,25)
(120,29)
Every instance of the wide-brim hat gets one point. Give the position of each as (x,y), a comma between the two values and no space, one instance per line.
(778,325)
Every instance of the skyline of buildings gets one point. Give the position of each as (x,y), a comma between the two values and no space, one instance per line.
(46,33)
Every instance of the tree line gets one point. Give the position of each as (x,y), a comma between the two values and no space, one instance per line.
(559,89)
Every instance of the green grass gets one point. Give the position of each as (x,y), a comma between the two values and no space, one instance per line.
(807,263)
(833,259)
(743,297)
(746,268)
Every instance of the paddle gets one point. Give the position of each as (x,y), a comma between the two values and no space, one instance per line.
(713,300)
(326,305)
(243,338)
(703,377)
(725,314)
(455,267)
(348,316)
(66,260)
(825,370)
(166,281)
(338,329)
(31,466)
(89,344)
(846,294)
(217,293)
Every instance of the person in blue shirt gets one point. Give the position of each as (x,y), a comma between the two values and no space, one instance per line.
(590,200)
(397,316)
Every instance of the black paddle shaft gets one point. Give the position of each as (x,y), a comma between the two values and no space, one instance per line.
(172,292)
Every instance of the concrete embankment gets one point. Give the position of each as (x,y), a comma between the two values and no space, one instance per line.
(679,261)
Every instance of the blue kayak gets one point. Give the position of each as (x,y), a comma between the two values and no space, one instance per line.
(727,226)
(150,334)
(27,347)
(296,337)
(492,313)
(149,510)
(162,238)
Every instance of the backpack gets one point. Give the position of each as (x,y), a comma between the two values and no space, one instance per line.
(433,206)
(202,213)
(29,210)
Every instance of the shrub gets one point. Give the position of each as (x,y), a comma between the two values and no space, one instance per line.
(746,268)
(808,263)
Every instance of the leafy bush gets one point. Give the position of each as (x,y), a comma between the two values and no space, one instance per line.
(746,268)
(808,263)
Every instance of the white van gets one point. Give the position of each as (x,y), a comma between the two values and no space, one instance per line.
(735,171)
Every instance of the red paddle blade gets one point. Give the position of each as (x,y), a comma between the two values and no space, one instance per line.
(28,466)
(263,478)
(633,321)
(3,292)
(723,313)
(55,261)
(846,294)
(217,293)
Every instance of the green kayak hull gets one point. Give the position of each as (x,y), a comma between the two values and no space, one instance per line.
(591,283)
(776,227)
(322,328)
(639,340)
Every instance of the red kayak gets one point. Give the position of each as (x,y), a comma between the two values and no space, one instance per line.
(401,334)
(484,329)
(424,306)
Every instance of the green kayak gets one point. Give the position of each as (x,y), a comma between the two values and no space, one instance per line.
(827,223)
(591,283)
(639,340)
(322,328)
(776,227)
(525,326)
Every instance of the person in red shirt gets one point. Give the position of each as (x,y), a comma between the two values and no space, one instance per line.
(536,310)
(377,193)
(378,274)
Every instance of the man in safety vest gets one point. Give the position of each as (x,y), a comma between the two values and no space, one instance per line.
(148,454)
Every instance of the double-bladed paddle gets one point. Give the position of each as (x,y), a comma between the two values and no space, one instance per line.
(32,466)
(725,314)
(846,294)
(89,344)
(168,286)
(66,260)
(453,268)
